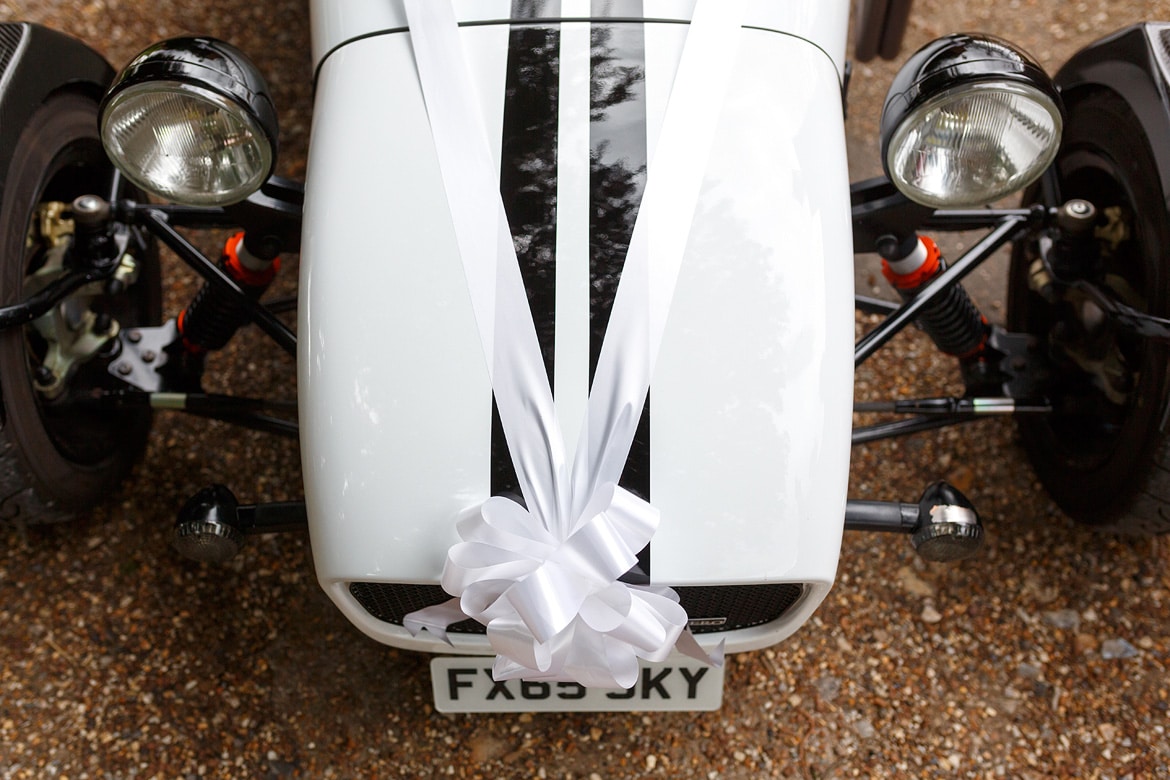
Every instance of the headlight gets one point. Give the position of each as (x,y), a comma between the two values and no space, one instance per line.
(968,120)
(190,120)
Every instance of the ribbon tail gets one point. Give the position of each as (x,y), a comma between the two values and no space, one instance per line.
(690,647)
(436,619)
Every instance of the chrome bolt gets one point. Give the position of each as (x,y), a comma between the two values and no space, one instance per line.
(134,336)
(90,210)
(148,356)
(1076,217)
(124,369)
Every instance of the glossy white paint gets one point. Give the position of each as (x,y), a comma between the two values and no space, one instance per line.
(753,391)
(395,401)
(823,22)
(752,395)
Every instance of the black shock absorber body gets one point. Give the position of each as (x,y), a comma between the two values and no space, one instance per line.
(951,318)
(215,314)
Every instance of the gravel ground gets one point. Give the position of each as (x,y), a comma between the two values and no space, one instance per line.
(1045,656)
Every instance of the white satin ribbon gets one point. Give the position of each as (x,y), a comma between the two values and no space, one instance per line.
(544,580)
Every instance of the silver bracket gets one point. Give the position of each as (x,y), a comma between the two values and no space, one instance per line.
(143,353)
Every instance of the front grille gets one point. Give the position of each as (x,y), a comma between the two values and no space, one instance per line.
(711,608)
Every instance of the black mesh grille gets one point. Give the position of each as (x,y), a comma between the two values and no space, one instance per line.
(711,608)
(10,36)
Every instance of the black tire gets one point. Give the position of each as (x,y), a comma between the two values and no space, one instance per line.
(1105,457)
(59,458)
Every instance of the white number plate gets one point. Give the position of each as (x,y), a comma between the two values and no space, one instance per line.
(466,685)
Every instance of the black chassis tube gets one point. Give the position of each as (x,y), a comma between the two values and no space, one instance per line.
(1134,63)
(155,220)
(1008,227)
(35,63)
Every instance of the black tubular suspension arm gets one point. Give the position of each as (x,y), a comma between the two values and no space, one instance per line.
(92,269)
(889,430)
(867,305)
(257,422)
(276,517)
(972,219)
(235,410)
(932,413)
(180,216)
(945,220)
(245,412)
(156,222)
(888,516)
(45,299)
(1007,228)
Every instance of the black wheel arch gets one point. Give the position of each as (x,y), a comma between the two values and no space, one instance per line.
(1103,463)
(1134,64)
(36,63)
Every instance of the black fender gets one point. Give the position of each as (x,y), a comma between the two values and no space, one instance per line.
(35,63)
(1134,63)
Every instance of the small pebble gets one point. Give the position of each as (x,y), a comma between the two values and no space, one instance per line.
(828,687)
(912,583)
(1029,671)
(930,614)
(1117,648)
(1084,643)
(1064,619)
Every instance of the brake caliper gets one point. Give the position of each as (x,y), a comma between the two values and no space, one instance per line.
(1070,271)
(72,332)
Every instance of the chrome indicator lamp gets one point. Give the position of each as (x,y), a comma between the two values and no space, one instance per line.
(191,120)
(968,120)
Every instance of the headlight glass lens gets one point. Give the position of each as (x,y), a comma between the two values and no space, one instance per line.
(185,143)
(974,143)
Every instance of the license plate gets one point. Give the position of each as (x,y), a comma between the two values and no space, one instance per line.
(466,685)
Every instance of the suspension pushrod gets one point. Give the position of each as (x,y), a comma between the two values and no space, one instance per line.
(907,312)
(157,223)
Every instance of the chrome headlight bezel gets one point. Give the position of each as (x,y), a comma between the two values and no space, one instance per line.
(191,120)
(941,84)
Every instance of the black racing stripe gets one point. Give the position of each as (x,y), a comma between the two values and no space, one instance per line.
(536,9)
(528,185)
(617,178)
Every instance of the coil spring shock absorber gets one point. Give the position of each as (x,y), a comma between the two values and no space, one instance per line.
(214,314)
(951,318)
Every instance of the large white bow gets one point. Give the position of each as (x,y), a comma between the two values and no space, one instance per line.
(544,578)
(556,610)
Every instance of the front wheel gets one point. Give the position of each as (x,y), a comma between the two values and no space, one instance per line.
(59,456)
(1104,454)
